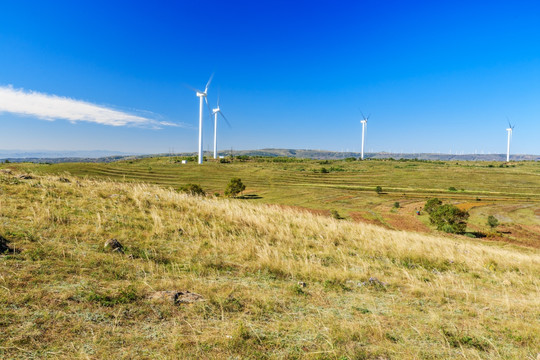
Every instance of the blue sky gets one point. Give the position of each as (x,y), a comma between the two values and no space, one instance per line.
(435,76)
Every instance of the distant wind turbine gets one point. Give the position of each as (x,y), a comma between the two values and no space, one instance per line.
(201,95)
(510,129)
(215,112)
(364,125)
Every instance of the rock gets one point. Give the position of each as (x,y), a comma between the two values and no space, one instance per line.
(175,297)
(25,177)
(373,281)
(302,284)
(114,246)
(6,171)
(4,248)
(63,179)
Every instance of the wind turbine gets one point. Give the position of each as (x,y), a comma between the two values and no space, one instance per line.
(364,125)
(215,112)
(201,95)
(510,129)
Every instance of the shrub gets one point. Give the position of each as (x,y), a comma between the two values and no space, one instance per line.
(324,170)
(192,189)
(336,215)
(396,205)
(492,221)
(431,205)
(378,190)
(234,187)
(451,188)
(449,218)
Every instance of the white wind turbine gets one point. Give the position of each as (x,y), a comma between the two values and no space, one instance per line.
(215,112)
(201,95)
(364,125)
(510,129)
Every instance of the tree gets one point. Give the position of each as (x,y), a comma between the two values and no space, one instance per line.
(431,205)
(492,222)
(396,205)
(378,190)
(235,187)
(192,189)
(449,218)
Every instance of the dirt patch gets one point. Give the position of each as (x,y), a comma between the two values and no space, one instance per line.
(406,222)
(368,218)
(469,205)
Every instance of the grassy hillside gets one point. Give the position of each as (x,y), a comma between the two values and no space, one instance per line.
(511,193)
(276,283)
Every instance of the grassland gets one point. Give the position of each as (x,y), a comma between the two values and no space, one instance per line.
(277,282)
(512,193)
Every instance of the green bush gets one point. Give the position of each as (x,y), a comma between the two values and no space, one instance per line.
(234,187)
(378,190)
(396,205)
(449,218)
(431,205)
(492,221)
(336,215)
(324,170)
(192,189)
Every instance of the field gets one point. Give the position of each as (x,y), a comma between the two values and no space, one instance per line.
(278,277)
(511,193)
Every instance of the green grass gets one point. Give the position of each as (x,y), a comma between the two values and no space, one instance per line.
(370,293)
(349,188)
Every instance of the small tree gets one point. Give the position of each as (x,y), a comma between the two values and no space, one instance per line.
(234,187)
(378,190)
(396,205)
(431,205)
(192,189)
(449,218)
(324,170)
(492,222)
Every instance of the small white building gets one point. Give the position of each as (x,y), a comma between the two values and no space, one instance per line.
(184,161)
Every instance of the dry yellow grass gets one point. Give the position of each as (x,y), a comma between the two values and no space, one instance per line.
(63,296)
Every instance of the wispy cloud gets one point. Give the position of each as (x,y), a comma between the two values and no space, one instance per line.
(52,107)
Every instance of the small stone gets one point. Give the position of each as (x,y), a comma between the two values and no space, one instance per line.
(63,179)
(175,297)
(25,177)
(302,284)
(4,248)
(6,171)
(114,246)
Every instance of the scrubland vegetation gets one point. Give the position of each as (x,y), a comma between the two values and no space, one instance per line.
(276,282)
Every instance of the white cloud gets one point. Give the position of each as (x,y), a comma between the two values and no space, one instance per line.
(52,107)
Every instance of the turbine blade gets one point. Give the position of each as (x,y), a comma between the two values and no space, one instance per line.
(227,121)
(208,83)
(192,88)
(363,117)
(208,106)
(218,98)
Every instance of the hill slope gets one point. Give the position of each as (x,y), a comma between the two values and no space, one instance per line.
(276,283)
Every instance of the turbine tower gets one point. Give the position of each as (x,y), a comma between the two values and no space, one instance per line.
(201,95)
(510,129)
(215,112)
(364,125)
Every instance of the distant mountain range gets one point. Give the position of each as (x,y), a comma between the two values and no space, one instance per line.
(109,156)
(41,154)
